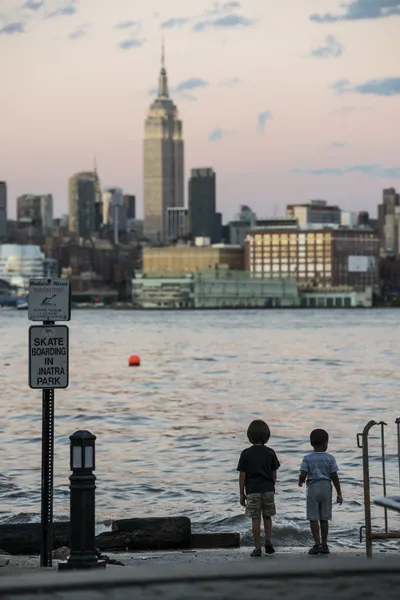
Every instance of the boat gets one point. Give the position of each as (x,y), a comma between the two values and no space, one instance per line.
(22,303)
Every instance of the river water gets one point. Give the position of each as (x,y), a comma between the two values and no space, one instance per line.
(170,432)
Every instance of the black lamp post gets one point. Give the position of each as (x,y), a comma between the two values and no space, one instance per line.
(82,503)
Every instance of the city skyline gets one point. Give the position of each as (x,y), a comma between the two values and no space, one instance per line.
(309,116)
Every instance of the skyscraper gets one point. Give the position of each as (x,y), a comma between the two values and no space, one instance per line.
(36,211)
(114,211)
(202,204)
(163,162)
(84,193)
(3,210)
(130,205)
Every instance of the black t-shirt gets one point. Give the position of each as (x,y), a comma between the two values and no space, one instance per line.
(258,462)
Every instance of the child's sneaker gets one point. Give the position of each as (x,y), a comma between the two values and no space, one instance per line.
(325,550)
(256,552)
(269,549)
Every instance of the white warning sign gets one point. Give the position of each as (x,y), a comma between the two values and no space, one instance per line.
(49,300)
(48,356)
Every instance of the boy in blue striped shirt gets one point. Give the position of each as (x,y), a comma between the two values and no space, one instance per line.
(319,470)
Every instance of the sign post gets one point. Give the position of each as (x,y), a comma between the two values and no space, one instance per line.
(49,300)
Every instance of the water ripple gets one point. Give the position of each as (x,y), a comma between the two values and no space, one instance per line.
(169,434)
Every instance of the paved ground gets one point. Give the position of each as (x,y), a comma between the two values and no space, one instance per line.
(140,560)
(341,576)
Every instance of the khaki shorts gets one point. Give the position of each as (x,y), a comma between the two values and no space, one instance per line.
(260,504)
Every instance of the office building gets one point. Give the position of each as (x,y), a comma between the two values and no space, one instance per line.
(3,210)
(363,219)
(218,228)
(187,258)
(317,211)
(84,193)
(388,222)
(46,212)
(178,224)
(36,211)
(212,288)
(98,215)
(114,212)
(130,206)
(136,226)
(163,162)
(315,257)
(348,219)
(19,263)
(244,221)
(202,204)
(112,198)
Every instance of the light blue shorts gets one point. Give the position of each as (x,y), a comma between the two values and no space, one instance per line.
(319,501)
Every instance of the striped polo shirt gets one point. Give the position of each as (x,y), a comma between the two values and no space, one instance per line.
(319,466)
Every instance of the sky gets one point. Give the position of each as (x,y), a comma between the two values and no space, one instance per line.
(286,100)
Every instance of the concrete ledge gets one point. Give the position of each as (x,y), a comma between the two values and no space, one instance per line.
(268,571)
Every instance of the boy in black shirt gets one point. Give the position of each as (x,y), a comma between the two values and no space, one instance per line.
(258,466)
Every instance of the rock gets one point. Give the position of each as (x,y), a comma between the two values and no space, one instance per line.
(112,540)
(4,562)
(61,553)
(24,538)
(159,533)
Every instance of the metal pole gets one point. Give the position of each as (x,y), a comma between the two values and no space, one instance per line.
(367,490)
(367,497)
(47,478)
(46,549)
(384,471)
(398,443)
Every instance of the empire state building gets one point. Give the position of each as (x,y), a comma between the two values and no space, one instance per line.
(163,162)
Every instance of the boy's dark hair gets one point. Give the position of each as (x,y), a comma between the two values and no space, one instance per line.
(258,432)
(319,437)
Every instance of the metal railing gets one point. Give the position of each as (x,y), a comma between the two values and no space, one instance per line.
(362,442)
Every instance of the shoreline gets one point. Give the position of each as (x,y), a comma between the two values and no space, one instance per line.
(165,558)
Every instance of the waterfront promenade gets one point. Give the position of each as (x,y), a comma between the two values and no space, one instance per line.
(291,575)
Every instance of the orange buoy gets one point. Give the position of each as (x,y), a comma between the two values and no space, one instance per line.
(134,361)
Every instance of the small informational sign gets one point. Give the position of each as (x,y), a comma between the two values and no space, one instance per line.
(49,300)
(48,356)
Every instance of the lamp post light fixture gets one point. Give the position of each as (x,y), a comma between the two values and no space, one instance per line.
(82,503)
(82,452)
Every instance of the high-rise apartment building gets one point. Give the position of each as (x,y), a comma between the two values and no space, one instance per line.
(36,211)
(3,210)
(202,204)
(84,193)
(163,162)
(130,205)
